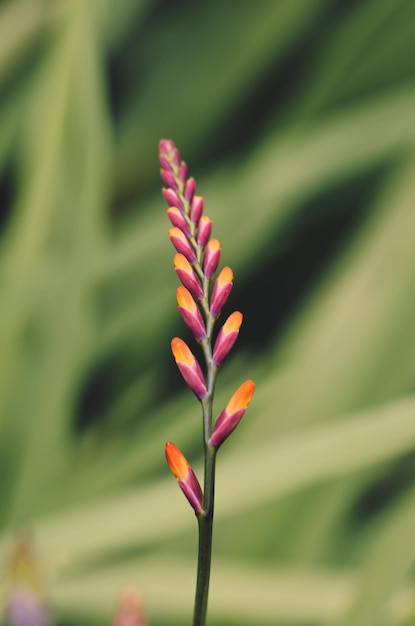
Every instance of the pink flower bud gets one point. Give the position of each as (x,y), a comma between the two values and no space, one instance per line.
(182,244)
(166,147)
(232,413)
(189,367)
(204,228)
(196,209)
(221,290)
(165,163)
(168,150)
(172,198)
(190,188)
(185,476)
(169,180)
(187,276)
(182,172)
(227,336)
(177,219)
(211,258)
(190,313)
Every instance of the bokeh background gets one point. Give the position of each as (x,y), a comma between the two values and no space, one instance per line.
(297,118)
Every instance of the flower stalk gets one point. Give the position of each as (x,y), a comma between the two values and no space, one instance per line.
(200,302)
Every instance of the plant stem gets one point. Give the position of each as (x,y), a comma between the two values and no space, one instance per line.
(205,520)
(205,540)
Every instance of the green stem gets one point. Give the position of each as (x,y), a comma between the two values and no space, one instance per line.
(205,540)
(206,518)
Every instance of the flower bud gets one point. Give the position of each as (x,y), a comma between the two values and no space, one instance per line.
(196,209)
(168,150)
(182,244)
(190,313)
(169,180)
(182,172)
(177,219)
(165,163)
(187,275)
(204,228)
(185,476)
(232,413)
(189,189)
(227,336)
(211,258)
(172,198)
(189,367)
(221,290)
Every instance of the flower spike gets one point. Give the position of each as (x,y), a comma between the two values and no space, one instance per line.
(200,301)
(190,313)
(227,336)
(232,413)
(185,476)
(189,367)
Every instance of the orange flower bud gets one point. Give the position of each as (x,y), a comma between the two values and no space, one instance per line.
(232,413)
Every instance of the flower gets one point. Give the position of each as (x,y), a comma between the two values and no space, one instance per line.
(189,367)
(232,413)
(185,476)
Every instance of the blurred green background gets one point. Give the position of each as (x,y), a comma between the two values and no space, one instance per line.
(297,118)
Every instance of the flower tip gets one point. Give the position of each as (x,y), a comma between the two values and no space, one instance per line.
(233,323)
(176,461)
(242,397)
(184,298)
(182,352)
(226,276)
